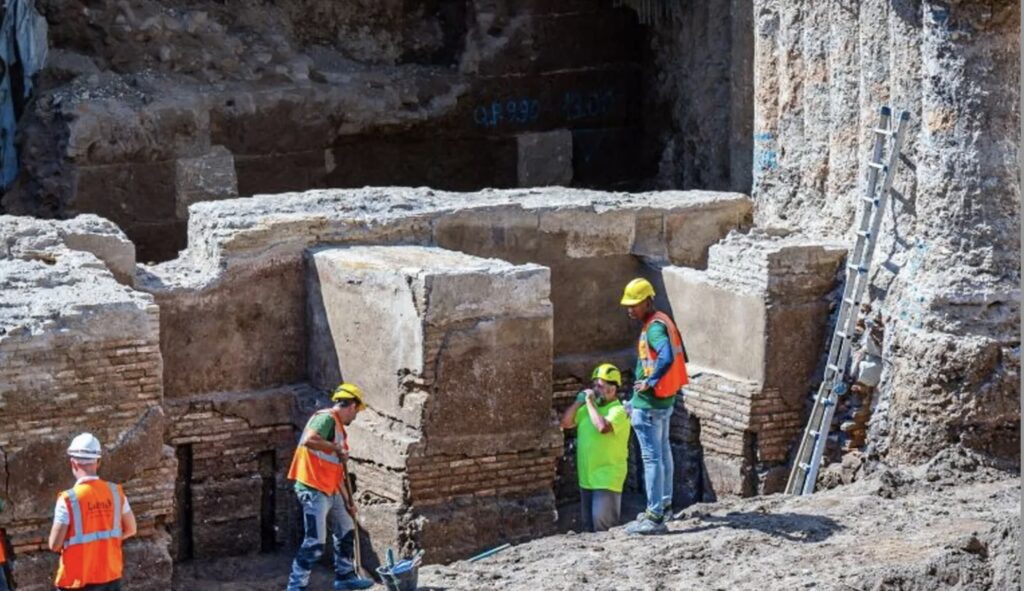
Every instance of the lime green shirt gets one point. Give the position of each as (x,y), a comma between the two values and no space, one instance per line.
(601,457)
(324,427)
(657,334)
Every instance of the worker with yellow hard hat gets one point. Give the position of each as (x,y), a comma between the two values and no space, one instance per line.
(318,469)
(602,447)
(659,376)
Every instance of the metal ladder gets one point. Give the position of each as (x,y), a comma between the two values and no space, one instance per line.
(888,141)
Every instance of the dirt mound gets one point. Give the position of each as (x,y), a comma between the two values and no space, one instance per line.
(894,529)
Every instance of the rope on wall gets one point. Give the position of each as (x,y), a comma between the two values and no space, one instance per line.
(651,11)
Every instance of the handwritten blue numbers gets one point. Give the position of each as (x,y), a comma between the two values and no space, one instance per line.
(576,105)
(513,112)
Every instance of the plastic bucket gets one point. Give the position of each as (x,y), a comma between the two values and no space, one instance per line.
(402,577)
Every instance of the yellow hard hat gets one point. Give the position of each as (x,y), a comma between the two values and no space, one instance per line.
(608,373)
(637,291)
(349,391)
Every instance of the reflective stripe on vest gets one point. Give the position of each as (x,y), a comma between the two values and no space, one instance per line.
(675,377)
(76,512)
(320,470)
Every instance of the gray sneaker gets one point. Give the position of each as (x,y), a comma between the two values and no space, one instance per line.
(648,527)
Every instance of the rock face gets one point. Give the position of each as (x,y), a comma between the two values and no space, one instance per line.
(457,448)
(945,284)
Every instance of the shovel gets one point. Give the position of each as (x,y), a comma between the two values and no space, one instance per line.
(358,558)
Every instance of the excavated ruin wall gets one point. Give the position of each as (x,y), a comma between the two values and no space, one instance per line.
(295,95)
(79,352)
(234,320)
(946,273)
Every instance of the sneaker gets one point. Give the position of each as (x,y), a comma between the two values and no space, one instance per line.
(644,521)
(651,516)
(351,581)
(649,528)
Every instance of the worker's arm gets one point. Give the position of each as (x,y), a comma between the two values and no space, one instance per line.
(599,422)
(569,416)
(128,526)
(57,534)
(657,339)
(315,441)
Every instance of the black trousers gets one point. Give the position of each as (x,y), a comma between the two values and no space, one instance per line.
(111,586)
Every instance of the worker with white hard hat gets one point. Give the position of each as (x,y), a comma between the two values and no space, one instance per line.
(90,522)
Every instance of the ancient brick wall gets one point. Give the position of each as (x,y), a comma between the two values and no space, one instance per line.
(78,352)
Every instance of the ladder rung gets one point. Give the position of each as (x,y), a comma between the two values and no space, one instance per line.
(805,466)
(842,334)
(881,131)
(864,233)
(850,301)
(833,367)
(871,200)
(857,268)
(814,433)
(877,165)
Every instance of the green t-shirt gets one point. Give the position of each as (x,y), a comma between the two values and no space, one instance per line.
(601,457)
(656,335)
(324,426)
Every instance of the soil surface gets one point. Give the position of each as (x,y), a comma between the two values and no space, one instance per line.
(950,524)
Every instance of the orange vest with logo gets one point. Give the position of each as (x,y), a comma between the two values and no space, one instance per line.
(320,470)
(675,377)
(92,547)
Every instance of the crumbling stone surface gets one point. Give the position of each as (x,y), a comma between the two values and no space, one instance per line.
(946,278)
(78,352)
(753,324)
(459,390)
(309,93)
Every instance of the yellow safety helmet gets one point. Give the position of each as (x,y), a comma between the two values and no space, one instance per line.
(637,291)
(608,373)
(349,391)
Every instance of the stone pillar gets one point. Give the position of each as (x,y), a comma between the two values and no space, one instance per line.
(457,451)
(754,325)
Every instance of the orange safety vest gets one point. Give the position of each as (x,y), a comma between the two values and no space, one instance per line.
(320,470)
(675,377)
(92,548)
(3,555)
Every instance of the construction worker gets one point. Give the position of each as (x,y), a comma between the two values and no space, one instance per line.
(90,522)
(602,447)
(660,374)
(318,469)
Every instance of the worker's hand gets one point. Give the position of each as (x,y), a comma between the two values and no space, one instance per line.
(640,386)
(581,398)
(591,396)
(339,450)
(351,508)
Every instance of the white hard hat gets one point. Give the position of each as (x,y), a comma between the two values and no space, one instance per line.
(85,447)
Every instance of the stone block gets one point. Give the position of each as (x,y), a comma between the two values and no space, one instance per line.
(205,178)
(249,335)
(728,476)
(261,174)
(440,337)
(606,156)
(106,241)
(449,163)
(545,158)
(127,194)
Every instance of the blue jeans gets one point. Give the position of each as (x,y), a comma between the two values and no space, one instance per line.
(316,506)
(651,427)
